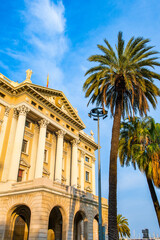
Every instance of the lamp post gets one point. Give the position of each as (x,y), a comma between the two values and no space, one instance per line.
(96,113)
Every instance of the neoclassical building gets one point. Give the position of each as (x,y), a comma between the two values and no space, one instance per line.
(47,166)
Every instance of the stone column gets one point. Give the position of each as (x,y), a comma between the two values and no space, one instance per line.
(52,160)
(93,176)
(3,128)
(82,170)
(41,147)
(14,166)
(59,155)
(74,163)
(10,145)
(34,153)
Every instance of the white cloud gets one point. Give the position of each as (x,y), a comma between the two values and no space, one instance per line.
(44,16)
(44,42)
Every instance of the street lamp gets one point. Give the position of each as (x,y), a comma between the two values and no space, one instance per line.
(96,113)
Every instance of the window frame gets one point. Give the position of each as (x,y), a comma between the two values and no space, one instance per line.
(27,143)
(29,124)
(45,160)
(87,180)
(20,178)
(86,157)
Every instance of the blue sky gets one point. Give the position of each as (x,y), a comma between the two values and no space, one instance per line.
(57,37)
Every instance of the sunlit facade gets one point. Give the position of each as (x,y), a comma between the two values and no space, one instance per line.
(47,166)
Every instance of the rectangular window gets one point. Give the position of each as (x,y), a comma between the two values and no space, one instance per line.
(2,95)
(87,176)
(24,146)
(51,115)
(45,156)
(40,108)
(33,103)
(28,124)
(87,159)
(20,175)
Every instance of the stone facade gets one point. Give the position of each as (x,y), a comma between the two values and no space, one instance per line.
(47,167)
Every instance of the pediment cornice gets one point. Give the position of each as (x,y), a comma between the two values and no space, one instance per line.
(66,111)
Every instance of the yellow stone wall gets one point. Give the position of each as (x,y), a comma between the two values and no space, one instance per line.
(46,111)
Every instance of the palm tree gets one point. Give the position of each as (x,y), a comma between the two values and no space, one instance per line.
(122,226)
(140,145)
(123,82)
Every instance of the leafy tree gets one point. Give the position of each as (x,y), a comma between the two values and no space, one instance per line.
(140,145)
(123,227)
(123,82)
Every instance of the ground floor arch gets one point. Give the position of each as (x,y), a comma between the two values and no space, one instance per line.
(55,224)
(95,227)
(20,223)
(80,226)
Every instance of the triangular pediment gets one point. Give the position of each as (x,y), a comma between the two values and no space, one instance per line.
(55,99)
(58,99)
(24,163)
(45,171)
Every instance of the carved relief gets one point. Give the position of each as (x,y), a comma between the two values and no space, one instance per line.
(1,121)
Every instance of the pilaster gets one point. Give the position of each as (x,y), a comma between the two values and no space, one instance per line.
(93,176)
(10,145)
(3,128)
(41,147)
(82,170)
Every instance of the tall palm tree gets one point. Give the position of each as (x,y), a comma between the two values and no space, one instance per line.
(123,82)
(140,145)
(122,226)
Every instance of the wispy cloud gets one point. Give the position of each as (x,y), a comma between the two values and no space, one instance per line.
(44,41)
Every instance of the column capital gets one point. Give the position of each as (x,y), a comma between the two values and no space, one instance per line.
(23,110)
(82,154)
(60,133)
(75,142)
(7,109)
(43,123)
(15,113)
(93,159)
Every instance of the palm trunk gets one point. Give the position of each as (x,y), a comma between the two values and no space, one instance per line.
(112,216)
(154,198)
